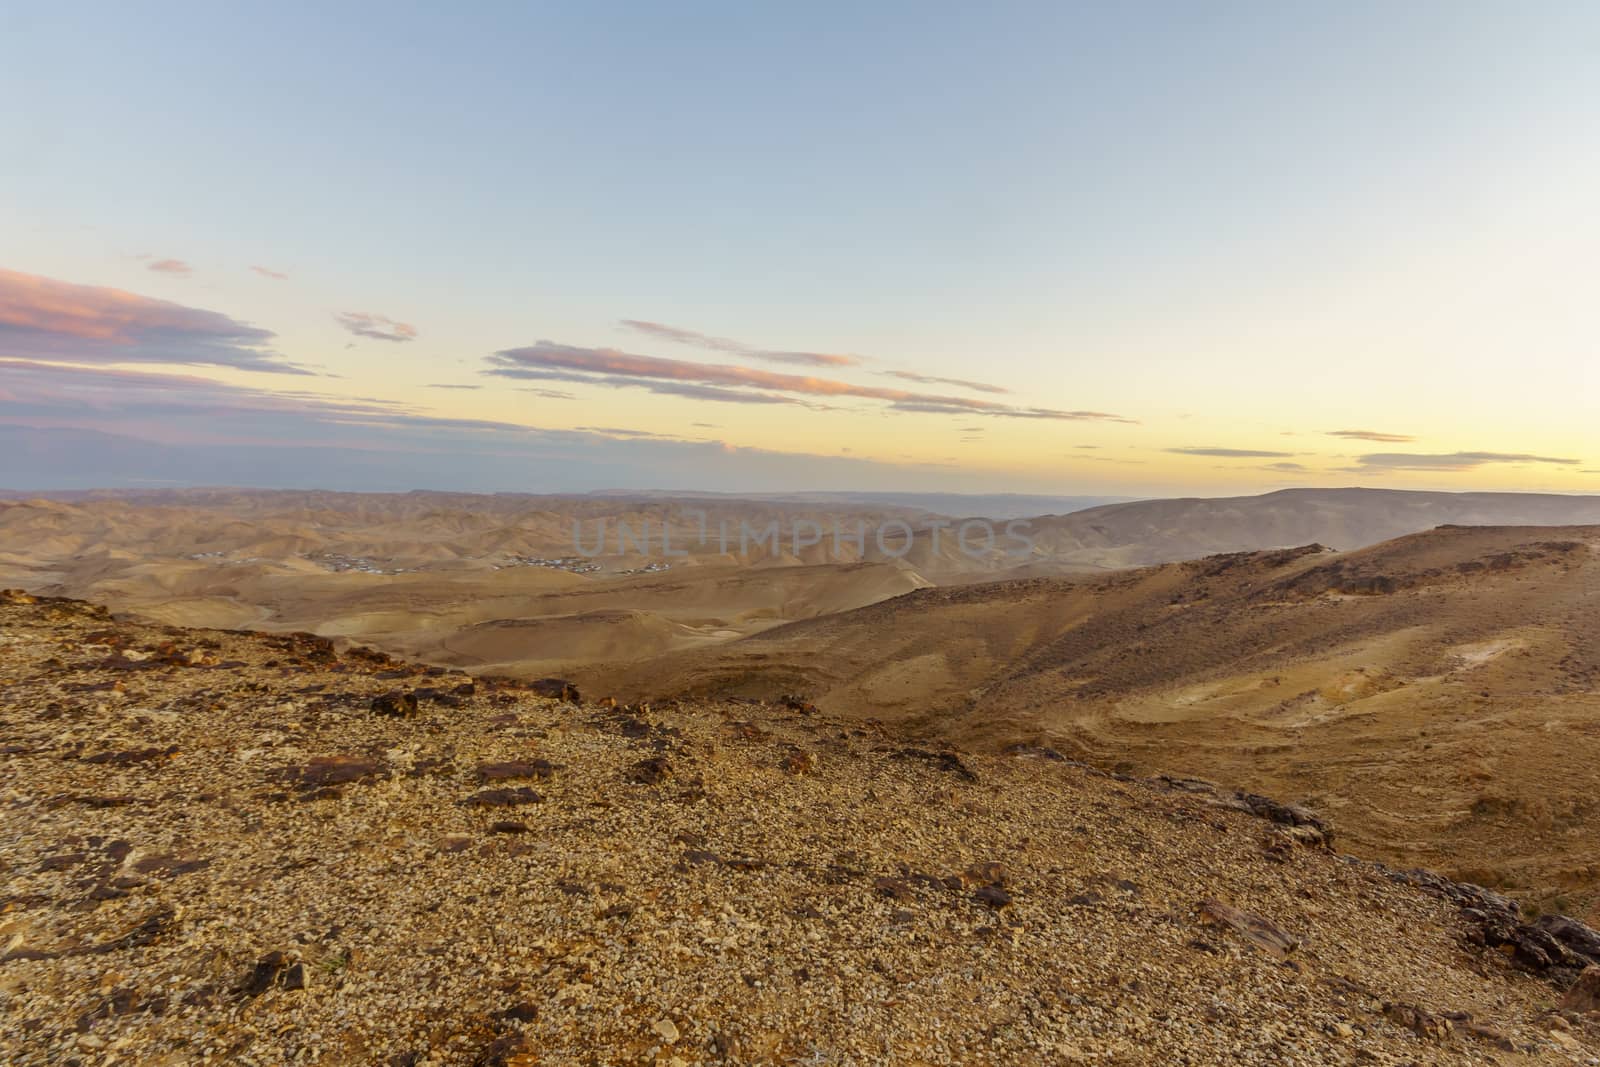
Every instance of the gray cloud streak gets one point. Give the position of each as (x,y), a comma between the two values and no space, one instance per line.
(1230,453)
(695,339)
(377,327)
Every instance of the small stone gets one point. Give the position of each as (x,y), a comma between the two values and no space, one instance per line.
(1566,1040)
(987,873)
(1584,994)
(1262,933)
(294,978)
(1490,1036)
(1420,1021)
(273,971)
(666,1029)
(798,762)
(523,1012)
(651,771)
(397,703)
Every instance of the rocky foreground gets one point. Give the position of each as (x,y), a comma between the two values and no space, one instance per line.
(241,848)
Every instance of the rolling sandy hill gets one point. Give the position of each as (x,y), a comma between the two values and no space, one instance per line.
(302,560)
(1439,694)
(250,848)
(491,582)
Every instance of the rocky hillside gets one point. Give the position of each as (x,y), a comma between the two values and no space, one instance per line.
(260,849)
(1438,694)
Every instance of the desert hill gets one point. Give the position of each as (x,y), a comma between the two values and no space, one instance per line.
(1431,691)
(246,847)
(1440,693)
(1158,531)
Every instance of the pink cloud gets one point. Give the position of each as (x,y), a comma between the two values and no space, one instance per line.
(275,275)
(170,266)
(48,319)
(378,327)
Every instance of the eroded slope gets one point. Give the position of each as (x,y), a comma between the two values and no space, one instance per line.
(1440,693)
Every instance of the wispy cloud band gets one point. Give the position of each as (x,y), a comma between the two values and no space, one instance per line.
(609,366)
(1453,461)
(1372,435)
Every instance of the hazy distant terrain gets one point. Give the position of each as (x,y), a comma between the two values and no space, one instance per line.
(989,505)
(480,581)
(534,584)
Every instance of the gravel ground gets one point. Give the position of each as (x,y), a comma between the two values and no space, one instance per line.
(255,849)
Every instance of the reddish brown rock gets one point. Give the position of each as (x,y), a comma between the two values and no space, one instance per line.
(992,896)
(324,771)
(893,888)
(534,768)
(798,762)
(651,771)
(502,798)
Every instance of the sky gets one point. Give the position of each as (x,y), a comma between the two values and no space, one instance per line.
(1140,249)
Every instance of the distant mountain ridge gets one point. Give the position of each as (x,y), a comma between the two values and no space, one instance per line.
(1160,531)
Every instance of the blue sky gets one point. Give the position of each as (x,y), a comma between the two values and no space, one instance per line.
(1237,228)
